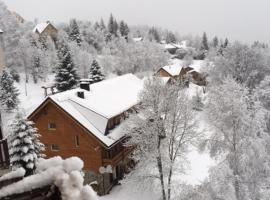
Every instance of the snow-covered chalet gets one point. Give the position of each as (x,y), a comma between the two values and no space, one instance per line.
(88,122)
(177,70)
(46,29)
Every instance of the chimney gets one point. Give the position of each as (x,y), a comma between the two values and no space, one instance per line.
(80,94)
(85,84)
(2,57)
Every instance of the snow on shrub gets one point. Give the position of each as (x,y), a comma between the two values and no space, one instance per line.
(65,174)
(20,172)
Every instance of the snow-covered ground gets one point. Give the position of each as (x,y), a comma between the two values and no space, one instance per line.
(31,95)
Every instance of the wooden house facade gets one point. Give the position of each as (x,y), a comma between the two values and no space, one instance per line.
(182,73)
(77,123)
(46,30)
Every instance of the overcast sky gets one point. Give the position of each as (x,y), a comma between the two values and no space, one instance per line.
(245,20)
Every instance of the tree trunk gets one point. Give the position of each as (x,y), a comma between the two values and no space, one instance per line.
(169,182)
(160,170)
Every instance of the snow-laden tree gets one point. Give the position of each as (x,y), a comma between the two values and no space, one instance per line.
(162,132)
(121,57)
(25,147)
(8,92)
(95,75)
(238,140)
(263,92)
(154,34)
(112,26)
(215,42)
(246,65)
(13,31)
(66,75)
(204,45)
(170,37)
(74,32)
(123,28)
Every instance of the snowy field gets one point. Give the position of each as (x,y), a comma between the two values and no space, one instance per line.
(31,95)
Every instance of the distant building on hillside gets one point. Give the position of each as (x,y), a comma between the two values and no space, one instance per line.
(2,56)
(46,29)
(180,72)
(18,17)
(88,122)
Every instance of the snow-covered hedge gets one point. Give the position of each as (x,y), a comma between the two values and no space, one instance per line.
(65,174)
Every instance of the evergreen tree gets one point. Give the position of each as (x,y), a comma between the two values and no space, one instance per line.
(102,25)
(74,34)
(96,26)
(25,147)
(154,34)
(115,27)
(111,25)
(66,76)
(124,30)
(215,42)
(95,74)
(8,93)
(170,37)
(226,42)
(204,45)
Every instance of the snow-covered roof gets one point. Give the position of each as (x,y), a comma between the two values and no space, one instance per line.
(175,68)
(105,100)
(41,27)
(181,45)
(137,39)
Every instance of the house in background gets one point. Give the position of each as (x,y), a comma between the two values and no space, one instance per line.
(180,72)
(46,30)
(88,122)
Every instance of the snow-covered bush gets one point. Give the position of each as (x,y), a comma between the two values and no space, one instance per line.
(65,174)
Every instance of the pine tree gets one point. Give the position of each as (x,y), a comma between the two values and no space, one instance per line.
(96,26)
(74,34)
(204,46)
(215,42)
(170,38)
(66,76)
(95,74)
(8,93)
(111,25)
(226,42)
(115,27)
(154,34)
(102,25)
(123,28)
(25,147)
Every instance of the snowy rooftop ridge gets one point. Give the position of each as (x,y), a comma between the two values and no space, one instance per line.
(41,27)
(175,68)
(105,100)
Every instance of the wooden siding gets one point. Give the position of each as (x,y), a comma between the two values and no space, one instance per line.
(163,73)
(64,136)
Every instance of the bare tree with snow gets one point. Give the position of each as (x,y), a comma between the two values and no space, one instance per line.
(238,141)
(162,132)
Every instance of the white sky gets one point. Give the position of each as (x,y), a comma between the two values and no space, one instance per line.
(245,20)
